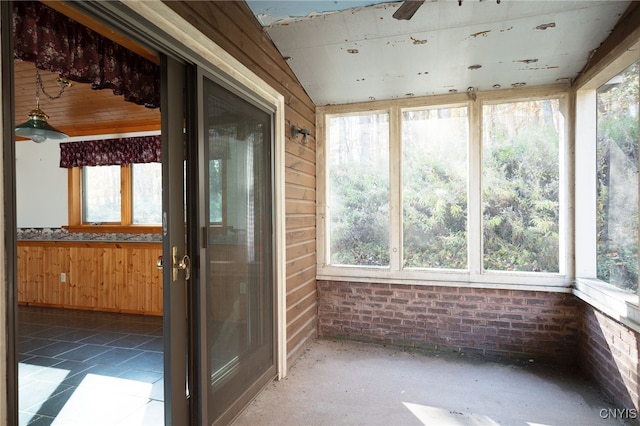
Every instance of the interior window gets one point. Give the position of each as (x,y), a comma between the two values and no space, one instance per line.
(617,180)
(101,201)
(123,195)
(146,193)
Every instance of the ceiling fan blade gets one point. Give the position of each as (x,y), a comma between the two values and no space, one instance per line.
(407,9)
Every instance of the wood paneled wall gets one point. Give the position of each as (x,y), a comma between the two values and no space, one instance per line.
(232,26)
(119,277)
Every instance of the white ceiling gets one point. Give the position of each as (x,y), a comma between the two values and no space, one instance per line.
(352,51)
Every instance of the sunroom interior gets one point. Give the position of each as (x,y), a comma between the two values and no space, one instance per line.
(441,221)
(463,181)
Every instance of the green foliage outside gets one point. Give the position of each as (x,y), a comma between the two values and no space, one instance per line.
(434,188)
(361,224)
(359,190)
(617,180)
(521,186)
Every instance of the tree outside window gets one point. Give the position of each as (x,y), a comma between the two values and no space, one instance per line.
(434,187)
(359,189)
(617,180)
(520,186)
(419,181)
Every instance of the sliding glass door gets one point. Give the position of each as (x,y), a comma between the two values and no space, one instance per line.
(236,258)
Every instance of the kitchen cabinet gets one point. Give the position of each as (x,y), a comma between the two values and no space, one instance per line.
(102,276)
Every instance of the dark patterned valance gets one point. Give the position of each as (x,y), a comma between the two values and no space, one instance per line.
(109,152)
(58,44)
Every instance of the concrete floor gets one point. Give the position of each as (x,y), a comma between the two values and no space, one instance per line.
(351,383)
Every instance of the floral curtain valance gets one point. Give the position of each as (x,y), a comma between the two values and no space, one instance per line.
(109,152)
(59,44)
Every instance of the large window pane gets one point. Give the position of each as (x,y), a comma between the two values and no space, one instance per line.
(147,193)
(521,185)
(434,187)
(358,163)
(617,180)
(101,194)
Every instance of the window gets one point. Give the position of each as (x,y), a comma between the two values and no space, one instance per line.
(114,184)
(101,194)
(434,187)
(520,186)
(617,180)
(606,195)
(146,193)
(446,190)
(108,198)
(359,194)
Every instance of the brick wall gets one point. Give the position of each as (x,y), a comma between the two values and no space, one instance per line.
(609,354)
(502,323)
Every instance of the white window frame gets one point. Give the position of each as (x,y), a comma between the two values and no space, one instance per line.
(475,276)
(619,304)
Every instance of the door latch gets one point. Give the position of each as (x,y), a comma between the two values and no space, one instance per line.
(182,264)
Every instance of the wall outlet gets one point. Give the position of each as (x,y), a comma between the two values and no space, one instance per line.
(63,277)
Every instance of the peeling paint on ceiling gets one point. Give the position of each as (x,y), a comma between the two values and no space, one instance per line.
(439,50)
(270,12)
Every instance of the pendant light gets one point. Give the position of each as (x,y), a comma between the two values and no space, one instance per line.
(36,127)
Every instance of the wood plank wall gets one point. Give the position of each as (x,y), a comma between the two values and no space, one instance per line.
(118,277)
(232,26)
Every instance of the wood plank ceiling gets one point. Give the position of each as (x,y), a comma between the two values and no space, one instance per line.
(81,111)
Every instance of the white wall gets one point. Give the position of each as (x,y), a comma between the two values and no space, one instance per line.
(41,185)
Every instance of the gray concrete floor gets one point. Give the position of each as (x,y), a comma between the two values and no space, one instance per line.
(351,383)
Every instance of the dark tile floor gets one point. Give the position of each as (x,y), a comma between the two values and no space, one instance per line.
(89,368)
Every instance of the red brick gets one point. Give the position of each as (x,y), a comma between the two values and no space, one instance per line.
(499,300)
(488,315)
(475,298)
(524,325)
(499,324)
(517,317)
(524,309)
(452,297)
(477,319)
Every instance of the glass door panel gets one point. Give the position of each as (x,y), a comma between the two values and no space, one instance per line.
(239,287)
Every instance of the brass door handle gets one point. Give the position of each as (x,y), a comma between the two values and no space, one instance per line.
(182,264)
(185,265)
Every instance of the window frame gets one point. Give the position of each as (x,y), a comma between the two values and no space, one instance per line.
(126,225)
(392,195)
(401,182)
(613,301)
(474,275)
